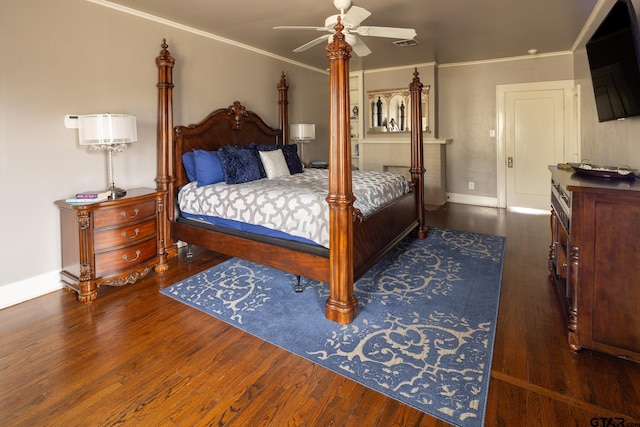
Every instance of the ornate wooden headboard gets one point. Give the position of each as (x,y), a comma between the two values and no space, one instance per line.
(234,125)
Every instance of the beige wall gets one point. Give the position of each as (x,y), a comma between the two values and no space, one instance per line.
(75,57)
(467,112)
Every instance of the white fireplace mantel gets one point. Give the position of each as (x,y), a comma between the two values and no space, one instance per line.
(441,141)
(395,154)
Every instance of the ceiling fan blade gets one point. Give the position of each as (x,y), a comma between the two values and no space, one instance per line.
(298,27)
(360,49)
(354,16)
(312,43)
(389,32)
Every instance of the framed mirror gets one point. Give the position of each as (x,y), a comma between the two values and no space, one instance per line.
(389,110)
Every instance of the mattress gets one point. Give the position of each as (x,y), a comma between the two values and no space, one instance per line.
(292,205)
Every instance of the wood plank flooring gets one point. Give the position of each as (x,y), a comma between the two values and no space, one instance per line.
(136,357)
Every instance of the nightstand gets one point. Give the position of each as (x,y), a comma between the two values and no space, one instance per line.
(113,243)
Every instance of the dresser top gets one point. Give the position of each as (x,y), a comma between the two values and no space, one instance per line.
(576,182)
(133,195)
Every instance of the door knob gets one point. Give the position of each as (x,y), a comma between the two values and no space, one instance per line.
(509,162)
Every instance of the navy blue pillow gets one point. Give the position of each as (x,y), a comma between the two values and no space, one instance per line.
(189,163)
(209,168)
(290,155)
(239,164)
(254,149)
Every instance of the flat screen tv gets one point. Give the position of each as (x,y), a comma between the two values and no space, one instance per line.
(613,61)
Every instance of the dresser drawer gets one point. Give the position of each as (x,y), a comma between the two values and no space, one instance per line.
(115,237)
(124,258)
(124,214)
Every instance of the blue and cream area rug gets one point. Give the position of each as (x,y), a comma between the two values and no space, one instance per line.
(424,334)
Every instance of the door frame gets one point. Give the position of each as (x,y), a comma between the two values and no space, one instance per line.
(571,128)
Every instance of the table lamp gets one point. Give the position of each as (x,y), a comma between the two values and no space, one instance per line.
(302,133)
(108,132)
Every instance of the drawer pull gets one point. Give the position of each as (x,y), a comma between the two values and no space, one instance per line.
(136,212)
(124,234)
(126,258)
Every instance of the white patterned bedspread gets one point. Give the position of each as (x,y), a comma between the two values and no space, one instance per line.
(294,204)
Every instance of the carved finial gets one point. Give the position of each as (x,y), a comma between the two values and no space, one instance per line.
(338,27)
(164,52)
(339,47)
(283,82)
(415,83)
(237,110)
(165,59)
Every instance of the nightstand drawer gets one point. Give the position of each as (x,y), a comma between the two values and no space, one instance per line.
(124,214)
(109,238)
(122,259)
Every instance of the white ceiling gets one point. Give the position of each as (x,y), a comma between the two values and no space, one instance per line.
(449,31)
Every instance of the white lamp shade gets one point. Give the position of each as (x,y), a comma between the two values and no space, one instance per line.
(302,132)
(95,129)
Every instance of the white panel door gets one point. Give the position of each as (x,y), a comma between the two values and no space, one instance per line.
(534,139)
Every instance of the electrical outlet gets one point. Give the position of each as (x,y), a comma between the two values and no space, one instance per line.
(472,185)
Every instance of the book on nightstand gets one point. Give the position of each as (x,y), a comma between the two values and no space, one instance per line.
(93,194)
(318,164)
(75,201)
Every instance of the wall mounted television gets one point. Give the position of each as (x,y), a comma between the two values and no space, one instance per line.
(612,52)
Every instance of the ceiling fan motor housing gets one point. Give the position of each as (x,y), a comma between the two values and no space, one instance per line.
(342,5)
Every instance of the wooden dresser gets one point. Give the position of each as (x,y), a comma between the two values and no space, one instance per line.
(595,260)
(112,243)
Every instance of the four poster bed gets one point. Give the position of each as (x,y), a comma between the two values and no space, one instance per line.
(356,239)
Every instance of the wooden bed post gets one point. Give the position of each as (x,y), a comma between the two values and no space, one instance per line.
(283,109)
(165,174)
(342,306)
(417,157)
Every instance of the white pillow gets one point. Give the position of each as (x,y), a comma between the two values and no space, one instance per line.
(274,163)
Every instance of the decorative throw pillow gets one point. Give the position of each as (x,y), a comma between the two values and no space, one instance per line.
(291,157)
(254,149)
(208,167)
(239,164)
(189,163)
(274,163)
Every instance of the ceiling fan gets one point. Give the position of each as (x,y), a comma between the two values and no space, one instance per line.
(351,20)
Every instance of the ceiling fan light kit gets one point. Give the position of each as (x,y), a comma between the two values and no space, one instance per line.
(351,17)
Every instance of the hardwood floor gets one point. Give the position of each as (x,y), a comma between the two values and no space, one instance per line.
(136,357)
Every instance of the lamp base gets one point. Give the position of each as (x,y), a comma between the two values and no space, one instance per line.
(117,192)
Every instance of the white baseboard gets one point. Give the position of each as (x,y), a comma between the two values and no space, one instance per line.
(15,293)
(466,199)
